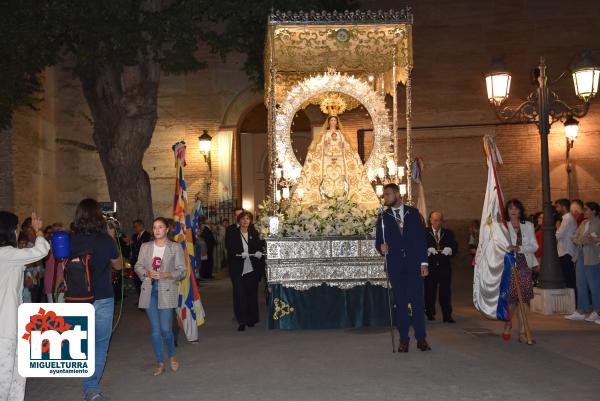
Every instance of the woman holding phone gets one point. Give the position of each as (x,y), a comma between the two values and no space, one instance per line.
(160,266)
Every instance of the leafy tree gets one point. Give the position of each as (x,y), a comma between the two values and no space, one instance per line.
(27,47)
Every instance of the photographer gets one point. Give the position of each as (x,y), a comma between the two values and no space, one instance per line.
(12,265)
(90,235)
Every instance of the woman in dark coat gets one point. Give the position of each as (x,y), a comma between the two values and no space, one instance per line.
(246,265)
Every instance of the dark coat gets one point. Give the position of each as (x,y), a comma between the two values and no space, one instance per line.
(406,250)
(235,246)
(446,240)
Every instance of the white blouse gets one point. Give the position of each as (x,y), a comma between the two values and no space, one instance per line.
(247,263)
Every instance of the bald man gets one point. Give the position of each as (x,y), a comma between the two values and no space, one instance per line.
(441,246)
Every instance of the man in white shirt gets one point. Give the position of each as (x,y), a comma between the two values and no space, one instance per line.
(565,245)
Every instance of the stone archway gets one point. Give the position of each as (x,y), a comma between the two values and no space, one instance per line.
(333,82)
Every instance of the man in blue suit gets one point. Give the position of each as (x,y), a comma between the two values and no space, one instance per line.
(401,238)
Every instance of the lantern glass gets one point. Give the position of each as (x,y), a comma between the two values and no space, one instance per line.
(401,171)
(498,87)
(285,192)
(586,82)
(402,189)
(273,225)
(571,128)
(586,74)
(379,189)
(204,142)
(371,174)
(300,193)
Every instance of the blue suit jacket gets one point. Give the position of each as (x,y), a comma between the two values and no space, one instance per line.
(407,250)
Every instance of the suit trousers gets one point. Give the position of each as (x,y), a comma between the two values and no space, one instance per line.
(408,290)
(245,297)
(440,277)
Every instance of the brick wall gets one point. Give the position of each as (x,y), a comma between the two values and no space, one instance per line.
(453,44)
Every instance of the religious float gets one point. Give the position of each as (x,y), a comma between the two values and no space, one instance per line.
(319,221)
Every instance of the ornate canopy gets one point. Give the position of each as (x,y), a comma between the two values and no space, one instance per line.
(358,43)
(360,56)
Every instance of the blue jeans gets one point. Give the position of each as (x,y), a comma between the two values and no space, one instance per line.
(583,300)
(592,273)
(161,324)
(104,319)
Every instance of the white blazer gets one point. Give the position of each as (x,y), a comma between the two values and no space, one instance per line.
(529,244)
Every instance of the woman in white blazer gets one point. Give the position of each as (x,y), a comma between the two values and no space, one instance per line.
(524,245)
(160,266)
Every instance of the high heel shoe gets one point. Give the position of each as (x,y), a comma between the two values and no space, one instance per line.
(506,334)
(241,327)
(160,368)
(174,365)
(523,340)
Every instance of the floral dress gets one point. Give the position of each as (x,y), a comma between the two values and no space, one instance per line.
(525,276)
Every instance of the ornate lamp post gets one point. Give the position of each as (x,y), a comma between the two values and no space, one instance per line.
(543,107)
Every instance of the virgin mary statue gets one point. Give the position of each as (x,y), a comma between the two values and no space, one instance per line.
(333,169)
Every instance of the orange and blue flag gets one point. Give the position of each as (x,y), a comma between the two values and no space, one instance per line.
(189,308)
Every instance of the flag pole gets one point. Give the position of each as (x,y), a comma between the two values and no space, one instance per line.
(522,306)
(389,285)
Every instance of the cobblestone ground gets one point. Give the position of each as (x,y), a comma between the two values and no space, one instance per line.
(469,361)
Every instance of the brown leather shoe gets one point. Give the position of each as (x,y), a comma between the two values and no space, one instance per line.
(403,347)
(423,345)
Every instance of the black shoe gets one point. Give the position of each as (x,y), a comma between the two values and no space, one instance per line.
(430,317)
(423,345)
(403,347)
(250,325)
(241,327)
(449,320)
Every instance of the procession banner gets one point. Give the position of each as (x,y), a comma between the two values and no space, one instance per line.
(189,307)
(493,262)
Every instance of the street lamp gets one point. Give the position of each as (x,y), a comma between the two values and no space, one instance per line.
(543,107)
(204,145)
(571,129)
(497,82)
(586,73)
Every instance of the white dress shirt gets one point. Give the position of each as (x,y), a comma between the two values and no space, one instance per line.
(565,244)
(399,214)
